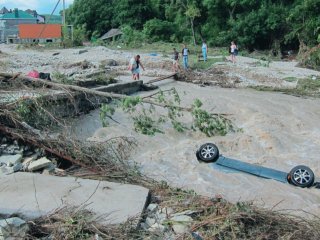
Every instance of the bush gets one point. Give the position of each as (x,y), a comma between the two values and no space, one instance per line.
(157,30)
(311,59)
(132,37)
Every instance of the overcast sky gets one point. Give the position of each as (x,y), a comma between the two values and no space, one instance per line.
(42,6)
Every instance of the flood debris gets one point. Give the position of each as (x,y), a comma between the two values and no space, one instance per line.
(13,228)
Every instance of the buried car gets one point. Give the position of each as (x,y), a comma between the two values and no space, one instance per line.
(301,176)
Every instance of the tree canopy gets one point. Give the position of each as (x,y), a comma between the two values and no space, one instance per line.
(253,24)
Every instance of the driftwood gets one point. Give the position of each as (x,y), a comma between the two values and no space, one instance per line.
(19,77)
(161,78)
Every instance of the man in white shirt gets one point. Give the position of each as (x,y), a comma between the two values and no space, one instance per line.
(185,52)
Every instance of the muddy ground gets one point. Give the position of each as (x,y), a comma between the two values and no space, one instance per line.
(276,130)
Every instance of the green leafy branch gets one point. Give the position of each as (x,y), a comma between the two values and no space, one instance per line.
(147,120)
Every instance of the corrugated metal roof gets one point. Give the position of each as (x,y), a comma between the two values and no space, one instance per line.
(34,30)
(113,32)
(21,15)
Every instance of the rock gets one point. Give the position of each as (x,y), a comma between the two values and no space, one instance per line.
(144,226)
(167,211)
(111,62)
(196,236)
(4,140)
(150,221)
(13,228)
(6,170)
(10,170)
(152,207)
(28,160)
(83,51)
(160,217)
(106,200)
(157,228)
(180,228)
(10,149)
(39,164)
(49,169)
(11,160)
(181,218)
(17,167)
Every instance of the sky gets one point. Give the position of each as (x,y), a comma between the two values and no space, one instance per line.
(41,6)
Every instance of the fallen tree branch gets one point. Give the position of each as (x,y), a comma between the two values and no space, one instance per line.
(65,87)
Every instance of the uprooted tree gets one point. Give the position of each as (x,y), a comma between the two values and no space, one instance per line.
(29,118)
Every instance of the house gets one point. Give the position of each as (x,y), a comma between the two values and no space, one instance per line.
(40,18)
(9,22)
(4,10)
(30,33)
(112,34)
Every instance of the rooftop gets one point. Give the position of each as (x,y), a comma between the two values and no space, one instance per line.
(17,14)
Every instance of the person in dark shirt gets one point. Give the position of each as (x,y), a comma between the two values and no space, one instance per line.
(175,65)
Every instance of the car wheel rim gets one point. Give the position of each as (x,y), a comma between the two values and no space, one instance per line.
(301,176)
(207,152)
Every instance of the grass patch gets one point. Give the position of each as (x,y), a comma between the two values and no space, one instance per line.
(62,78)
(290,79)
(195,64)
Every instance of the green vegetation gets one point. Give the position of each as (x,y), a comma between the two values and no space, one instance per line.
(61,78)
(253,24)
(208,123)
(34,113)
(147,120)
(290,79)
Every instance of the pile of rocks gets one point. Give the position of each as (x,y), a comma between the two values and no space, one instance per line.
(16,157)
(13,228)
(166,222)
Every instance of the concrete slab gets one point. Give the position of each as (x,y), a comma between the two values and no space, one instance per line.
(34,195)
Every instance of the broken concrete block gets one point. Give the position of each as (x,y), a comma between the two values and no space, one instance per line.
(157,228)
(152,207)
(11,160)
(13,228)
(180,228)
(150,221)
(10,170)
(28,160)
(6,170)
(39,164)
(181,218)
(36,195)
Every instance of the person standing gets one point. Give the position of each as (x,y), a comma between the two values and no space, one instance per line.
(185,52)
(134,67)
(233,51)
(204,51)
(176,65)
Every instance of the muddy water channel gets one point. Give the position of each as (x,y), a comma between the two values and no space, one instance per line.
(277,131)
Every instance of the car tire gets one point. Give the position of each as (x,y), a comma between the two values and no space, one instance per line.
(208,152)
(301,176)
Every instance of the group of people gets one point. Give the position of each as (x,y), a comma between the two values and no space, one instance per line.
(135,63)
(233,50)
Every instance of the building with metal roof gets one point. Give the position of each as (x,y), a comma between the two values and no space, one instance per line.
(10,21)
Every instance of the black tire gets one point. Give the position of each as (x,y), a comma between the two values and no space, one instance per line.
(301,176)
(208,153)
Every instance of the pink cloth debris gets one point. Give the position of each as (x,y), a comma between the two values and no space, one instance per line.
(33,74)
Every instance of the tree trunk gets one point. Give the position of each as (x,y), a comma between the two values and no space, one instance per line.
(193,32)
